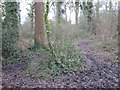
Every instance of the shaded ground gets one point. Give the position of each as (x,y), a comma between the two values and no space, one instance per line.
(98,72)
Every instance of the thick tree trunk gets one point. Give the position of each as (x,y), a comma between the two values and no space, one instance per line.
(10,30)
(39,27)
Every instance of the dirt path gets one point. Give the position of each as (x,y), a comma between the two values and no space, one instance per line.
(97,73)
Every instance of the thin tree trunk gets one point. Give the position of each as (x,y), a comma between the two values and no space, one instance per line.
(110,5)
(89,16)
(76,10)
(97,9)
(39,27)
(97,16)
(59,12)
(111,16)
(119,37)
(66,12)
(46,23)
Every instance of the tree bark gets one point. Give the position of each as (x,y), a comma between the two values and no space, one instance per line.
(119,37)
(97,9)
(110,5)
(89,15)
(59,11)
(76,10)
(39,27)
(46,23)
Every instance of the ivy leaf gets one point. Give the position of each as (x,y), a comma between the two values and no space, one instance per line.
(59,61)
(63,65)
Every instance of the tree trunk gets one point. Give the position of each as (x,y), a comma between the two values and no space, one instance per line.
(59,11)
(10,30)
(97,9)
(84,7)
(111,16)
(97,16)
(119,35)
(76,10)
(89,15)
(39,27)
(110,5)
(65,12)
(46,23)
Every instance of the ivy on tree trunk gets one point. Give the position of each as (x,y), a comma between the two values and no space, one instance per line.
(10,30)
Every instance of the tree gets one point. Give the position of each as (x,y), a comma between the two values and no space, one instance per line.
(110,5)
(119,32)
(97,9)
(111,14)
(65,6)
(39,27)
(46,11)
(10,30)
(76,10)
(84,7)
(59,11)
(89,16)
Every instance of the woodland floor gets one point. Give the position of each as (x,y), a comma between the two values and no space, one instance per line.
(98,72)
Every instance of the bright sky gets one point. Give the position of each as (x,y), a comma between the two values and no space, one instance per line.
(24,5)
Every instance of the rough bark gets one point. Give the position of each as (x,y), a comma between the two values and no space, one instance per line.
(39,27)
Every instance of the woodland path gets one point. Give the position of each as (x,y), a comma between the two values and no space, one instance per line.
(98,73)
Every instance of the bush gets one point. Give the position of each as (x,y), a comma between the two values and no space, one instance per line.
(62,59)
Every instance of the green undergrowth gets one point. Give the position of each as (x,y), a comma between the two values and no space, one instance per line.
(25,56)
(61,59)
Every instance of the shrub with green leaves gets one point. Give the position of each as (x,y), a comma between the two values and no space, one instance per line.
(10,29)
(62,59)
